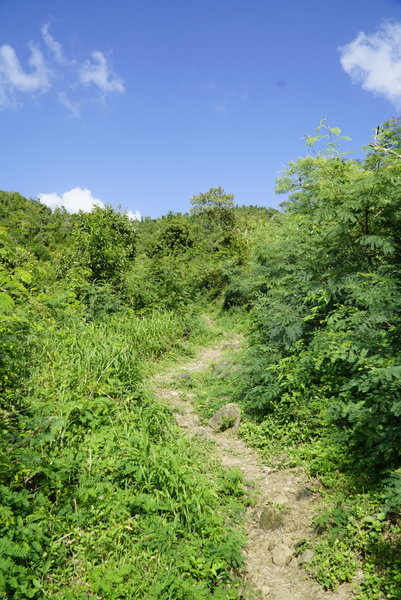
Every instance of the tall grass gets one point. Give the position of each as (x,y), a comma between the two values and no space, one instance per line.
(108,500)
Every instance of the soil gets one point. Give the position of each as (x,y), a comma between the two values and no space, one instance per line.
(285,505)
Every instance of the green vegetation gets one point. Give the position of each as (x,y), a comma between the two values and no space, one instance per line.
(323,374)
(100,496)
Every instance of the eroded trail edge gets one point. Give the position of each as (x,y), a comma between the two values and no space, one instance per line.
(282,514)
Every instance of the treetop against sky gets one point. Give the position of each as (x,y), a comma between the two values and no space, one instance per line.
(145,105)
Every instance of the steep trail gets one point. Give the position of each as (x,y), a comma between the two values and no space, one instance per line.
(285,503)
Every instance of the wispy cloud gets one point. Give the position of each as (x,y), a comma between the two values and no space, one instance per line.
(14,79)
(98,72)
(74,108)
(220,109)
(74,81)
(374,61)
(78,199)
(227,98)
(54,46)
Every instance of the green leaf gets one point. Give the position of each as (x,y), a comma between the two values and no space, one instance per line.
(335,130)
(23,275)
(6,302)
(312,140)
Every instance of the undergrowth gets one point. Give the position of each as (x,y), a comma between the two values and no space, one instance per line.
(100,496)
(357,529)
(357,535)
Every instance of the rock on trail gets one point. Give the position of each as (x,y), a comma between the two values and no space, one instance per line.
(283,513)
(228,417)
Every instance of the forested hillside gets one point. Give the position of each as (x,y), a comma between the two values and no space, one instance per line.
(100,496)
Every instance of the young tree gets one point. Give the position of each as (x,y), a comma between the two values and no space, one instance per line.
(103,243)
(215,203)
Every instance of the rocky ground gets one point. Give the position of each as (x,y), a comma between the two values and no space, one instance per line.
(285,499)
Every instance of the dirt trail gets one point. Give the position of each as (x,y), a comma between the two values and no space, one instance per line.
(279,493)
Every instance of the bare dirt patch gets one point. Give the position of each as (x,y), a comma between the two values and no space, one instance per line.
(282,514)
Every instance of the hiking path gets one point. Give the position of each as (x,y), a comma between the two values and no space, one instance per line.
(285,498)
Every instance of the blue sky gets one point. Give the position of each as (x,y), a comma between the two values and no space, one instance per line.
(145,103)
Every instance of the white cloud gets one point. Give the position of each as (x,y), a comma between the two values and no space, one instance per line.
(78,199)
(13,78)
(54,46)
(72,79)
(74,200)
(374,61)
(98,72)
(70,105)
(133,215)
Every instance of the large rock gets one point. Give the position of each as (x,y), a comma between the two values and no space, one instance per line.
(281,555)
(270,519)
(229,416)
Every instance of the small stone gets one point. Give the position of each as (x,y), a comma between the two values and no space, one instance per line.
(228,416)
(281,555)
(202,432)
(306,557)
(270,518)
(304,493)
(185,376)
(271,545)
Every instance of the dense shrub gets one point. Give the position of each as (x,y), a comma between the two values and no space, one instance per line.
(326,327)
